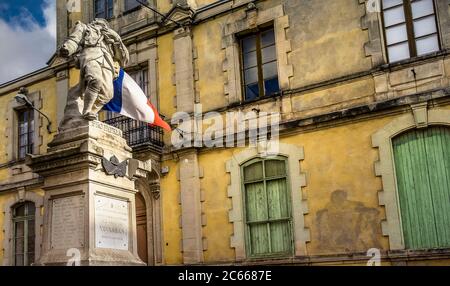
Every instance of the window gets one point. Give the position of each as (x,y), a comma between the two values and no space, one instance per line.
(267,208)
(25,132)
(259,65)
(104,9)
(410,28)
(24,233)
(141,78)
(132,4)
(422,166)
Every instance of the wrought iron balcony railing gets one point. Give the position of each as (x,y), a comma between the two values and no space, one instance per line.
(138,134)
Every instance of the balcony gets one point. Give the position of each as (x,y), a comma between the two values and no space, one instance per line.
(139,135)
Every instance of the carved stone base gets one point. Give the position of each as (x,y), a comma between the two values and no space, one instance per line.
(90,216)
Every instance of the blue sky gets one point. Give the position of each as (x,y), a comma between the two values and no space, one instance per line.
(27,36)
(10,10)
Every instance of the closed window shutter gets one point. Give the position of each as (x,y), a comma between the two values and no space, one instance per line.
(437,144)
(422,170)
(267,208)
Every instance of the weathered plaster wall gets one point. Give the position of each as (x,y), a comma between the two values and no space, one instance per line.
(171,212)
(327,40)
(208,64)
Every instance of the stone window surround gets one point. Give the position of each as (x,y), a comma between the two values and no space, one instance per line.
(12,126)
(419,117)
(248,19)
(375,46)
(297,179)
(21,196)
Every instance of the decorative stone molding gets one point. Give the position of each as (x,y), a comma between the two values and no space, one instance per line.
(241,21)
(21,196)
(371,22)
(297,179)
(385,168)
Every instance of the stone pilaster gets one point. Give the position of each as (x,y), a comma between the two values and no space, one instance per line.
(191,211)
(184,70)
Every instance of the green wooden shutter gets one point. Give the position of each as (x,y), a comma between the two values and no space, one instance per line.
(422,165)
(267,208)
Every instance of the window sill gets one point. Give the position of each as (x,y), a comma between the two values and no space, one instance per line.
(413,61)
(257,100)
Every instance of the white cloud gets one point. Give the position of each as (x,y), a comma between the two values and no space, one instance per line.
(26,48)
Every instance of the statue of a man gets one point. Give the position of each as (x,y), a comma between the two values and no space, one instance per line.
(99,53)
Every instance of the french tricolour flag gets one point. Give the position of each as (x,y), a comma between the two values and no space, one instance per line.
(130,101)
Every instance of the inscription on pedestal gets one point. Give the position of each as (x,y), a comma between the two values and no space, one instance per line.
(111,223)
(67,228)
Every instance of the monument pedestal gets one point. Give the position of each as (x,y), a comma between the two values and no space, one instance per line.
(90,212)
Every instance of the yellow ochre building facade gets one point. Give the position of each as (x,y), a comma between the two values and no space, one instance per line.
(363,168)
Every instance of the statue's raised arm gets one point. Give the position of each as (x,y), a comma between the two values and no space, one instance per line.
(72,43)
(98,52)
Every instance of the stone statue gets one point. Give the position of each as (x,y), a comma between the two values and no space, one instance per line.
(99,53)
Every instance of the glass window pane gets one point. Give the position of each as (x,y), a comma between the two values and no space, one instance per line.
(251,75)
(25,127)
(275,168)
(256,202)
(22,152)
(270,70)
(23,140)
(259,240)
(396,34)
(19,210)
(253,172)
(394,16)
(271,86)
(19,245)
(30,247)
(277,198)
(30,209)
(422,8)
(280,235)
(252,91)
(249,44)
(391,3)
(427,45)
(100,8)
(250,60)
(267,38)
(31,227)
(398,52)
(424,26)
(268,54)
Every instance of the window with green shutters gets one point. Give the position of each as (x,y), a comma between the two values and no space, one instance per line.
(267,208)
(422,165)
